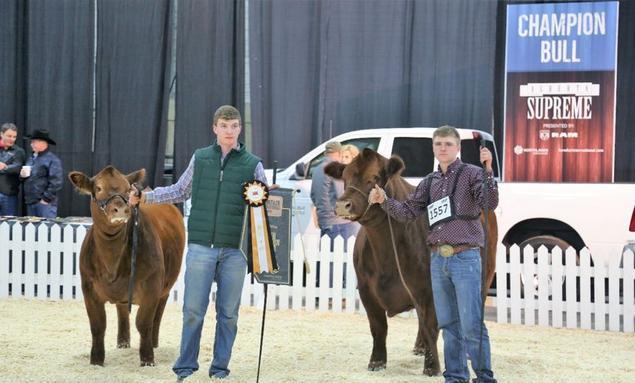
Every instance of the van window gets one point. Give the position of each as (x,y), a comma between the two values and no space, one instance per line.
(416,153)
(361,143)
(470,154)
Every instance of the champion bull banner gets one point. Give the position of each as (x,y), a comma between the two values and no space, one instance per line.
(561,63)
(279,209)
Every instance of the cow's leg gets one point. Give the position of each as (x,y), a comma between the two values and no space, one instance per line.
(123,328)
(378,329)
(157,321)
(427,337)
(144,322)
(97,318)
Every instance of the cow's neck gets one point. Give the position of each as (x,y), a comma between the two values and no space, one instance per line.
(113,245)
(378,223)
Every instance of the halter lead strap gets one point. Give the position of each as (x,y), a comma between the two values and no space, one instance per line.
(102,203)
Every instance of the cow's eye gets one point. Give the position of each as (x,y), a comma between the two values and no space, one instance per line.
(98,189)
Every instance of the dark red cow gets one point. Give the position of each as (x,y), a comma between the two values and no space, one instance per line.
(105,257)
(392,283)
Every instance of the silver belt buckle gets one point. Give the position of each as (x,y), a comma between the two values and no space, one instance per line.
(446,251)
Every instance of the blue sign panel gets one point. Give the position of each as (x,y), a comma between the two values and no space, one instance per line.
(562,37)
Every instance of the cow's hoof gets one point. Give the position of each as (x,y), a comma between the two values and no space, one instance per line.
(376,365)
(123,345)
(147,364)
(419,351)
(429,371)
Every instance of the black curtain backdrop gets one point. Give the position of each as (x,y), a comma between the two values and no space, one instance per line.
(321,68)
(209,70)
(284,64)
(58,77)
(625,112)
(10,16)
(318,68)
(133,80)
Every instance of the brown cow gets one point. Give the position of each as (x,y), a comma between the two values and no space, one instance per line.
(105,260)
(385,286)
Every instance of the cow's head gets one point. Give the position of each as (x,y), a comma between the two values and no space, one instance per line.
(360,176)
(109,193)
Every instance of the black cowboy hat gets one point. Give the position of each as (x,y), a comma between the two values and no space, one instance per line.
(41,134)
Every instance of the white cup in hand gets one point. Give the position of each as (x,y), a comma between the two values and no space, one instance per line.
(25,171)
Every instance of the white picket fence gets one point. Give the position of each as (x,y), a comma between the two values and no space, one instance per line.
(41,262)
(573,294)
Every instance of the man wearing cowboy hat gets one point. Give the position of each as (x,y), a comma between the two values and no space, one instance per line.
(43,177)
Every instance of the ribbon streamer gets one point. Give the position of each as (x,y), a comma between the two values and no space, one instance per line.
(261,257)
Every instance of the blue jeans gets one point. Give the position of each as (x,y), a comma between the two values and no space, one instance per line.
(205,265)
(456,287)
(39,209)
(8,204)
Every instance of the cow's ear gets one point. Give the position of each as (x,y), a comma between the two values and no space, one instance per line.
(394,166)
(367,153)
(136,177)
(83,184)
(334,169)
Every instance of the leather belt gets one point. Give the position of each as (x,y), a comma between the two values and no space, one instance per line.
(446,250)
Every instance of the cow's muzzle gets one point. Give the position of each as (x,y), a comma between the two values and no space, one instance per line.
(115,208)
(343,210)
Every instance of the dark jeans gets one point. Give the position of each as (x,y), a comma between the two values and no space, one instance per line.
(39,209)
(8,204)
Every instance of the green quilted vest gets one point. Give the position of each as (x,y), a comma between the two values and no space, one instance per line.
(218,207)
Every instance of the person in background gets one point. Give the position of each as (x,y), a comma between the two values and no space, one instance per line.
(324,193)
(349,152)
(42,176)
(453,196)
(214,179)
(12,158)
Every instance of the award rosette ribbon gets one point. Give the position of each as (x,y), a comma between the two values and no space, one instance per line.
(261,257)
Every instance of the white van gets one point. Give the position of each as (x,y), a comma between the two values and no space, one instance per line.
(598,216)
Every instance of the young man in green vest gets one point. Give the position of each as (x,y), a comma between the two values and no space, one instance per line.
(213,180)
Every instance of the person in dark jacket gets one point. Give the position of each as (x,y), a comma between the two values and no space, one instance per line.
(11,160)
(43,177)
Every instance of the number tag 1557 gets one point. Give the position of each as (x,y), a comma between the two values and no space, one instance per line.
(439,210)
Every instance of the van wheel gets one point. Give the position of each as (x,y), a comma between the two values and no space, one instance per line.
(549,242)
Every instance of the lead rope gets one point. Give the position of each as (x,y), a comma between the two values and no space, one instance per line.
(394,246)
(484,269)
(133,251)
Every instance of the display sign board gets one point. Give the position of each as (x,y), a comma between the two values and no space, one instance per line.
(561,63)
(279,211)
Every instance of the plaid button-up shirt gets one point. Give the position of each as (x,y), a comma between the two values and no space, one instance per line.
(468,198)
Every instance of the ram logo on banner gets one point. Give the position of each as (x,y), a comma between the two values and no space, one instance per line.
(561,64)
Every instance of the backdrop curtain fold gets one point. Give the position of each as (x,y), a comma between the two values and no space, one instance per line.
(625,113)
(58,76)
(11,18)
(132,86)
(209,70)
(322,68)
